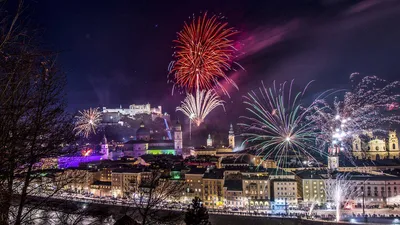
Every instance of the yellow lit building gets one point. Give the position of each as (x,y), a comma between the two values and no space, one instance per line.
(376,149)
(194,183)
(213,186)
(256,190)
(284,193)
(124,182)
(311,186)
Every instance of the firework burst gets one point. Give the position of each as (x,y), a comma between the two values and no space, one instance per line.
(87,122)
(363,109)
(204,53)
(198,106)
(277,126)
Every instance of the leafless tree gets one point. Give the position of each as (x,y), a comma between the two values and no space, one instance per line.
(33,121)
(155,191)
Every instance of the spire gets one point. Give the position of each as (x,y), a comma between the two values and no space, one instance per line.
(178,125)
(104,139)
(209,141)
(231,130)
(231,137)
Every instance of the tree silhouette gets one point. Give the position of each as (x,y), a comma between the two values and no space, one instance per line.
(196,213)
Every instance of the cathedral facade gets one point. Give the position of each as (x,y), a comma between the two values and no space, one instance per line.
(375,148)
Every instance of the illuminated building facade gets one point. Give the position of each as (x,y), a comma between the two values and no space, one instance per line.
(135,109)
(375,148)
(194,183)
(124,182)
(284,193)
(311,186)
(213,186)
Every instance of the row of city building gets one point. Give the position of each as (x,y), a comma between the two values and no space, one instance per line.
(234,182)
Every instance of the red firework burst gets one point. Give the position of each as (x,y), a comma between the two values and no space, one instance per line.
(204,54)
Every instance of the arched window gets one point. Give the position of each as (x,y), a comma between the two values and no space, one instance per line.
(394,146)
(356,146)
(377,148)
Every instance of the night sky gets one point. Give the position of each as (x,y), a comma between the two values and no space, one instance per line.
(117,52)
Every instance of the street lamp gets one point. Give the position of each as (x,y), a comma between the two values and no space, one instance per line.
(363,202)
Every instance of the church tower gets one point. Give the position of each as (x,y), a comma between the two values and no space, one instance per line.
(104,148)
(357,147)
(209,141)
(231,137)
(178,137)
(333,158)
(393,145)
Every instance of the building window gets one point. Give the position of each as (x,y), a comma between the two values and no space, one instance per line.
(394,146)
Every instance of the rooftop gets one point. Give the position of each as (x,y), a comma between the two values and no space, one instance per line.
(196,170)
(311,174)
(233,185)
(130,170)
(284,180)
(149,141)
(277,171)
(214,174)
(233,160)
(369,177)
(246,169)
(344,162)
(167,147)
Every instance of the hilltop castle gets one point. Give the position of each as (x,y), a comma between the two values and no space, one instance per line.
(376,148)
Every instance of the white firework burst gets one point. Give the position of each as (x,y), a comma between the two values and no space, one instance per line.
(365,107)
(198,106)
(87,122)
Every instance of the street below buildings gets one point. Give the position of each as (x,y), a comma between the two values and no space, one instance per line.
(375,216)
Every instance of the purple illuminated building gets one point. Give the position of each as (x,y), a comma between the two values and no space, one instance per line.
(74,161)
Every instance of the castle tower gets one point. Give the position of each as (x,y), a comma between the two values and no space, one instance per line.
(231,137)
(209,141)
(104,148)
(178,137)
(393,145)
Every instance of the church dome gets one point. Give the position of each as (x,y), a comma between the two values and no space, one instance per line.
(142,133)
